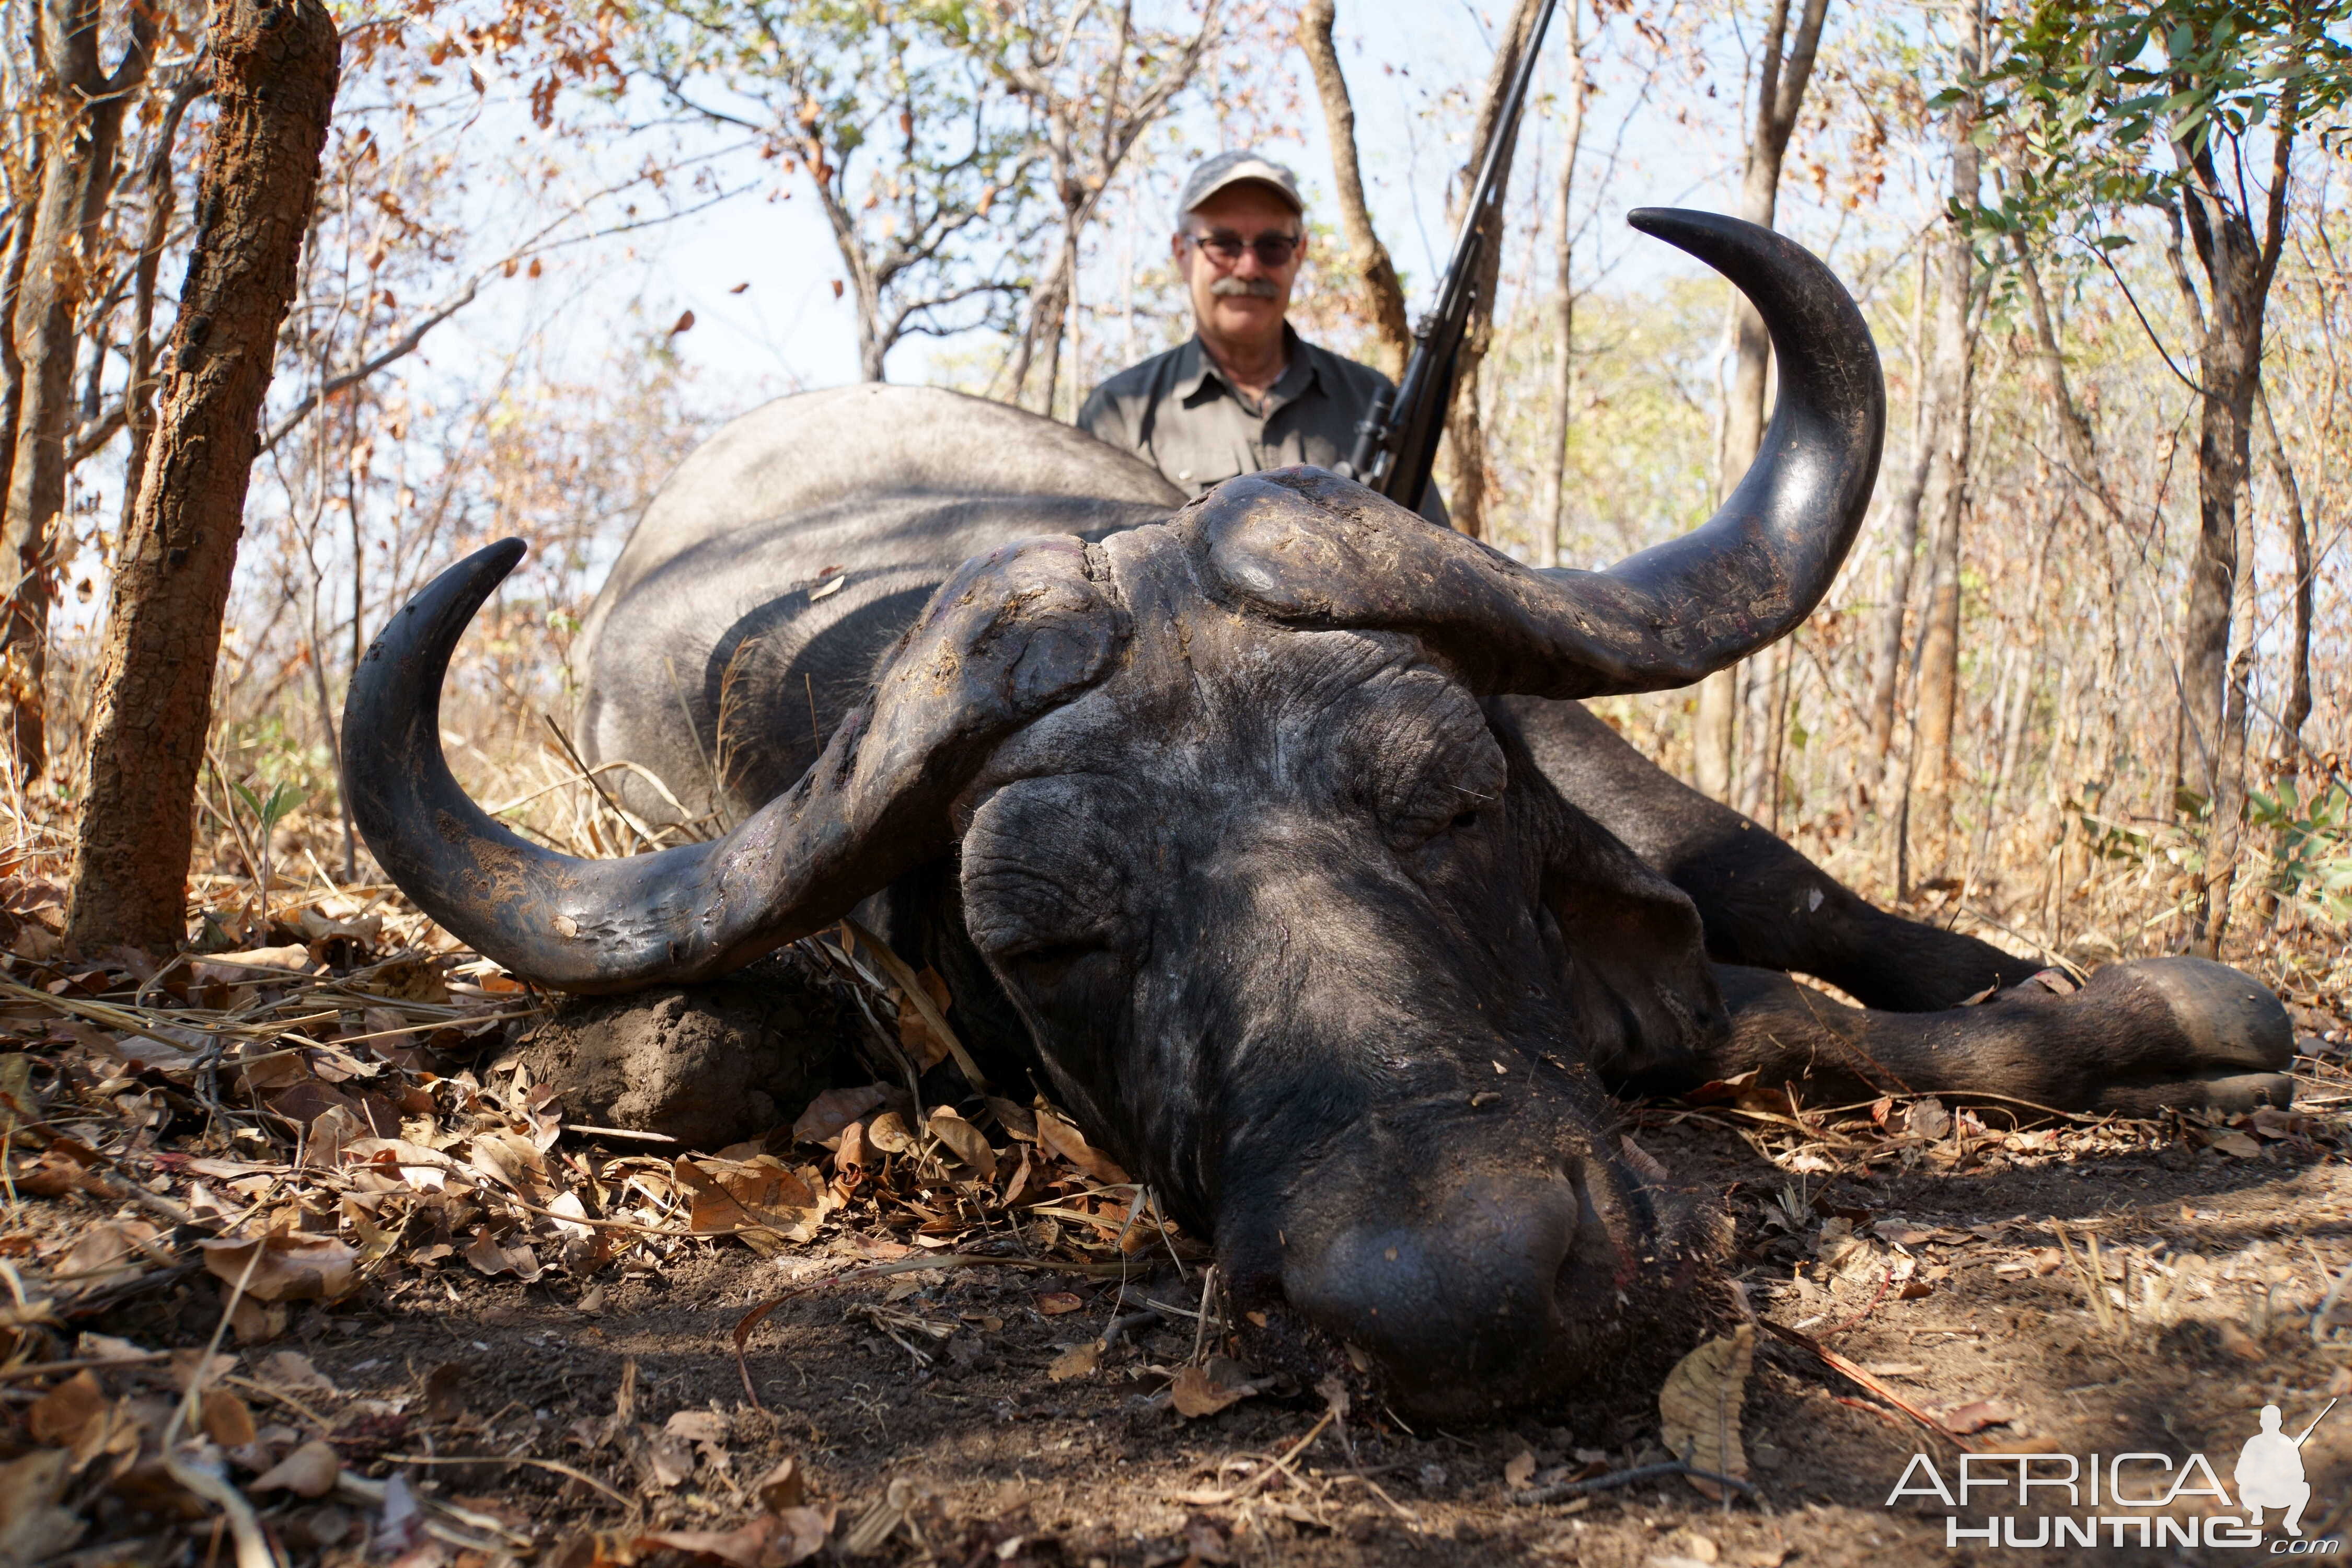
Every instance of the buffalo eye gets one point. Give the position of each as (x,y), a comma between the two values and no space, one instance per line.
(1047,962)
(1463,820)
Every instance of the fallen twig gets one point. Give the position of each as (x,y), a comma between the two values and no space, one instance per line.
(556,1465)
(1639,1473)
(1854,1373)
(1272,1468)
(82,1364)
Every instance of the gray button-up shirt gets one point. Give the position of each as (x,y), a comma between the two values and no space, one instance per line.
(1178,410)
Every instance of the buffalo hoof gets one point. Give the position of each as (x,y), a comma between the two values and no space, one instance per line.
(2215,1038)
(706,1065)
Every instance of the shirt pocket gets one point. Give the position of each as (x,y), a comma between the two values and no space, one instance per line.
(1206,470)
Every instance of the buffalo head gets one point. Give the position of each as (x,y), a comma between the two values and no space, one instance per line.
(1295,923)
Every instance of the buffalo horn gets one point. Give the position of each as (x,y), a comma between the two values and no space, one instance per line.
(1009,636)
(1663,618)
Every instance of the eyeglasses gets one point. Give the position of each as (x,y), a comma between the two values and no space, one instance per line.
(1273,250)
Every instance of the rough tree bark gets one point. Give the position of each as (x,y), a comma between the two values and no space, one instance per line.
(275,65)
(162,199)
(2298,696)
(1563,367)
(1930,818)
(1466,429)
(12,367)
(2286,758)
(2239,265)
(1903,548)
(1379,294)
(84,105)
(1781,85)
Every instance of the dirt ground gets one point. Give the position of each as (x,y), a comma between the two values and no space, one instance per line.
(2088,1287)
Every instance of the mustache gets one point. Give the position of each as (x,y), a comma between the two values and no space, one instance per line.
(1255,288)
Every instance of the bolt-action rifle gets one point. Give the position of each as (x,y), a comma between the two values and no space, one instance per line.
(1396,440)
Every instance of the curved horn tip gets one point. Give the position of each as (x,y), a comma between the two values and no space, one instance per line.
(1689,229)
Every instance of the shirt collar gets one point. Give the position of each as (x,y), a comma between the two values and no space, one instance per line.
(1198,378)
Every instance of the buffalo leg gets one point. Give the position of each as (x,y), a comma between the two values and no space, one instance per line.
(1762,903)
(2141,1038)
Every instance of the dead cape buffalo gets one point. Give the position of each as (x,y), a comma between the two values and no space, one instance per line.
(1271,829)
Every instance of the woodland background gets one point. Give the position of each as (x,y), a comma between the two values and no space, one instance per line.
(2014,712)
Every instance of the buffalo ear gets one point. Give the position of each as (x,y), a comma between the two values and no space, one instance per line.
(1639,984)
(1640,988)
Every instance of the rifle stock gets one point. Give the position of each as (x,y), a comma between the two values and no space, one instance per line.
(1396,441)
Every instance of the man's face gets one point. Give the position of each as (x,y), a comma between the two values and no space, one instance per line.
(1242,297)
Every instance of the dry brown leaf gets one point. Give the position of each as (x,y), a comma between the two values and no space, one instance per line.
(293,1266)
(1196,1394)
(1976,1416)
(780,1488)
(1926,1118)
(760,1195)
(2236,1342)
(744,1547)
(60,1415)
(835,1109)
(1059,1137)
(2237,1145)
(309,1471)
(696,1425)
(1519,1469)
(253,963)
(888,1133)
(1053,1304)
(227,1420)
(851,1152)
(801,1534)
(1016,1120)
(922,1041)
(1076,1360)
(964,1140)
(491,1258)
(33,1528)
(670,1456)
(1699,1408)
(107,1253)
(410,1163)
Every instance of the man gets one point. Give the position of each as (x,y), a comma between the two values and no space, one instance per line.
(2270,1471)
(1246,392)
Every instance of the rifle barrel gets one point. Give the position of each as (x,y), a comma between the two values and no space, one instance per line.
(1396,442)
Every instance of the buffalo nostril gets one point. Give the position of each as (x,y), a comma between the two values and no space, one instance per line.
(1461,1292)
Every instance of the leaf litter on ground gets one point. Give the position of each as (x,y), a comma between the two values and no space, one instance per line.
(323,1116)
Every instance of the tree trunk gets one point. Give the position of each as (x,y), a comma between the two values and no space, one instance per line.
(1379,294)
(2298,697)
(1779,93)
(76,178)
(1563,367)
(1948,485)
(1466,428)
(1903,549)
(139,392)
(2286,760)
(2212,702)
(12,367)
(275,64)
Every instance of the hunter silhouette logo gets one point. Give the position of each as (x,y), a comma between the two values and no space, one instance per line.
(2270,1471)
(2139,1499)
